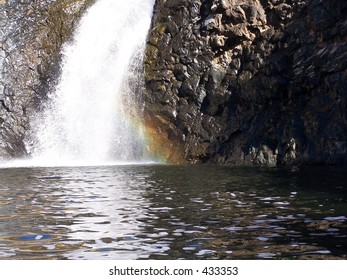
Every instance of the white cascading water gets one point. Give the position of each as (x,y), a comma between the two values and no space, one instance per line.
(90,118)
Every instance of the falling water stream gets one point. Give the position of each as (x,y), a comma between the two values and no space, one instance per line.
(92,115)
(80,198)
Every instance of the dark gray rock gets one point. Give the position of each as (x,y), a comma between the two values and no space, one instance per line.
(255,82)
(227,81)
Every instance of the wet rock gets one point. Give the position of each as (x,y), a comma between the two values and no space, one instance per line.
(290,152)
(3,18)
(263,156)
(31,37)
(215,76)
(223,77)
(262,75)
(189,86)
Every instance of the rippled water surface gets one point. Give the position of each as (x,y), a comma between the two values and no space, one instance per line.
(173,212)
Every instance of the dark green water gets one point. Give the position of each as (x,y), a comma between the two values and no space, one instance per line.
(173,212)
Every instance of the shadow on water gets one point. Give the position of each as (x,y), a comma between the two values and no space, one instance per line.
(223,212)
(173,212)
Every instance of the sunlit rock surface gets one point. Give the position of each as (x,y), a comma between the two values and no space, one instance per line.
(249,81)
(227,81)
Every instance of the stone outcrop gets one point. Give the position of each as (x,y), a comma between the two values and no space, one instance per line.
(31,38)
(227,81)
(248,81)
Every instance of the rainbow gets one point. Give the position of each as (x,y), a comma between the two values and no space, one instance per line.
(156,141)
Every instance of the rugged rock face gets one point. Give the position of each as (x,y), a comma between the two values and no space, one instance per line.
(31,37)
(227,81)
(249,81)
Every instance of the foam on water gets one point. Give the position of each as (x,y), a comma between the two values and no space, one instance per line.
(24,163)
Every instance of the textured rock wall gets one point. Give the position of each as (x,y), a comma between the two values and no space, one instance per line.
(248,81)
(228,81)
(32,33)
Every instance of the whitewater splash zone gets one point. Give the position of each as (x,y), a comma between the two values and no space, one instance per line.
(92,117)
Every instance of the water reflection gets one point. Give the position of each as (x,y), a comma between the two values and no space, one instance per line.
(81,210)
(172,212)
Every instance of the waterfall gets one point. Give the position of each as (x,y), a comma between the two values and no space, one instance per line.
(90,117)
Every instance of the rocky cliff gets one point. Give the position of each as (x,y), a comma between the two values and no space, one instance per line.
(248,81)
(227,81)
(31,37)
